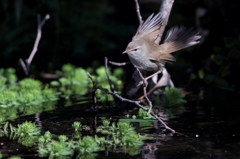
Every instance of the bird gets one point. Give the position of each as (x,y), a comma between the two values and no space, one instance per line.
(147,55)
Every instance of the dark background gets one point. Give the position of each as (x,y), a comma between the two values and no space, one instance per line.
(84,32)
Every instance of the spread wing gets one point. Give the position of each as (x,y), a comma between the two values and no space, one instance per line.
(149,29)
(179,38)
(162,58)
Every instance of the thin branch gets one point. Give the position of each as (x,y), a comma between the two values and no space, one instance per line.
(165,80)
(118,63)
(165,10)
(137,103)
(151,76)
(38,38)
(145,83)
(138,12)
(26,65)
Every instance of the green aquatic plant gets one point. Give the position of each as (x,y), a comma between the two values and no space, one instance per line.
(74,81)
(27,129)
(142,114)
(87,144)
(171,97)
(77,126)
(3,81)
(26,92)
(115,76)
(62,146)
(26,133)
(14,157)
(13,112)
(116,135)
(120,134)
(54,148)
(8,75)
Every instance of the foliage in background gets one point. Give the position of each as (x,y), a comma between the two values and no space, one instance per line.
(75,82)
(172,97)
(115,76)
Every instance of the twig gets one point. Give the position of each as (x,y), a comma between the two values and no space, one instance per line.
(94,98)
(165,80)
(145,91)
(26,65)
(165,10)
(137,103)
(151,76)
(107,73)
(138,12)
(118,63)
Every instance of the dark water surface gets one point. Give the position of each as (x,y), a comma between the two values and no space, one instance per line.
(205,136)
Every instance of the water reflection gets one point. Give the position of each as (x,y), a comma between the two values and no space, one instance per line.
(204,136)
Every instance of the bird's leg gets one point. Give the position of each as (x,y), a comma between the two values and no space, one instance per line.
(147,78)
(164,81)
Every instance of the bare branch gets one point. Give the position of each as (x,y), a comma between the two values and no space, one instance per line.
(145,83)
(137,103)
(165,10)
(26,65)
(38,38)
(151,76)
(165,80)
(118,63)
(138,12)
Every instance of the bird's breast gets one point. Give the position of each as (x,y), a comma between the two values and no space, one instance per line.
(142,62)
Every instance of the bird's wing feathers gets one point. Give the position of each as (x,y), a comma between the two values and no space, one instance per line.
(163,57)
(149,29)
(179,38)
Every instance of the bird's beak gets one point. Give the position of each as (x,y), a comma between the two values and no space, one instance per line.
(125,52)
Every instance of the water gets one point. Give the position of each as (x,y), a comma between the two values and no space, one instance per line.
(204,134)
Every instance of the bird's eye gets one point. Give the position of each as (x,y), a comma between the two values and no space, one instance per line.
(135,49)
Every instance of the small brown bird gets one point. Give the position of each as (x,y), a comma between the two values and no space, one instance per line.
(145,54)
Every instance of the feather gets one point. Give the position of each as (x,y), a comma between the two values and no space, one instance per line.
(164,57)
(149,29)
(179,38)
